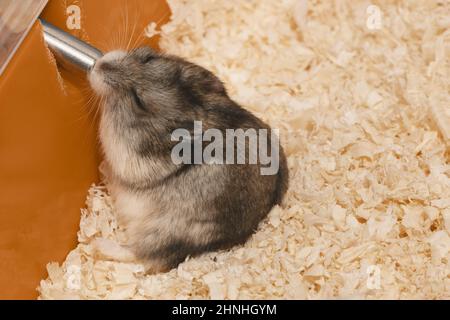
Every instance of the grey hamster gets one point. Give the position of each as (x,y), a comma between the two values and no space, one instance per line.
(174,210)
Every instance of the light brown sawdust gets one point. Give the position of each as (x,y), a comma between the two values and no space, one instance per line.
(364,118)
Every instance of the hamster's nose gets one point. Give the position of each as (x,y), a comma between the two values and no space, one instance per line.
(104,66)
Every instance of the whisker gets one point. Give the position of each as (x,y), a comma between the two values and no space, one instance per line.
(133,32)
(157,24)
(138,41)
(125,34)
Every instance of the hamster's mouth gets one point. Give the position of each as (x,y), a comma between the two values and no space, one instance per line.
(98,83)
(98,74)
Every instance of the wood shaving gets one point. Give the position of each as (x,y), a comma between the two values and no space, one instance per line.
(150,31)
(364,120)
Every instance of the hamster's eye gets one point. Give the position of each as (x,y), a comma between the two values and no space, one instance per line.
(137,101)
(147,59)
(144,54)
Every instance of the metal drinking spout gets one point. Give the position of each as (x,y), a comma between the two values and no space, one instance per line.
(69,51)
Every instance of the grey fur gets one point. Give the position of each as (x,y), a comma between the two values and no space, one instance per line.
(186,209)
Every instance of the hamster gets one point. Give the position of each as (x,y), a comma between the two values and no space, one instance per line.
(174,210)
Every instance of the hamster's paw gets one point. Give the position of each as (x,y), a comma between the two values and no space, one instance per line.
(156,266)
(110,250)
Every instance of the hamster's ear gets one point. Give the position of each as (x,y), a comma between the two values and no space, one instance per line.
(202,79)
(144,54)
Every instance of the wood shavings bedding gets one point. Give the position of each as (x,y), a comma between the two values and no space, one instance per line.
(364,118)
